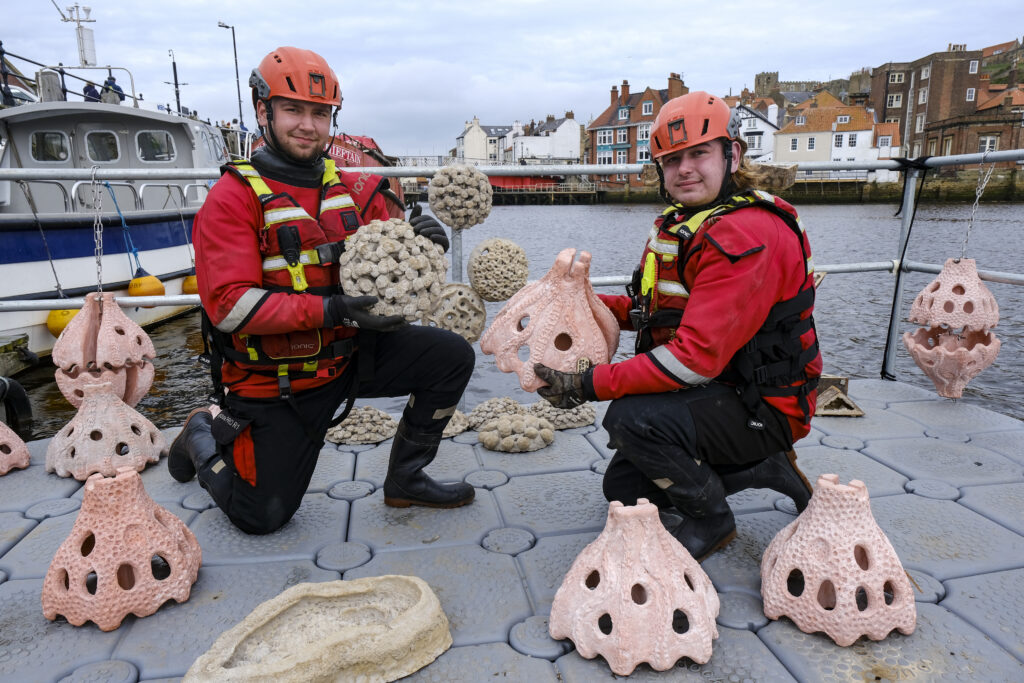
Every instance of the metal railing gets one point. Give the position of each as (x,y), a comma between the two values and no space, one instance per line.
(913,169)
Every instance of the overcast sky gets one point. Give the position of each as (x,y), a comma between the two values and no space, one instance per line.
(413,72)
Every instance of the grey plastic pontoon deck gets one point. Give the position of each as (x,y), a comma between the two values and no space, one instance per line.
(946,480)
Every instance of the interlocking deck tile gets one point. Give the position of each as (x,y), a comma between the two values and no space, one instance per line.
(111,671)
(1002,503)
(942,647)
(957,416)
(737,567)
(532,637)
(491,662)
(453,462)
(735,656)
(13,527)
(37,451)
(874,424)
(54,507)
(887,391)
(880,479)
(741,611)
(813,437)
(946,539)
(166,643)
(1010,444)
(162,487)
(599,440)
(567,452)
(385,528)
(480,592)
(960,464)
(753,500)
(560,503)
(332,467)
(21,489)
(32,648)
(992,603)
(319,520)
(545,565)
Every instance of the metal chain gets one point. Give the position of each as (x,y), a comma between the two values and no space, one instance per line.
(978,191)
(97,229)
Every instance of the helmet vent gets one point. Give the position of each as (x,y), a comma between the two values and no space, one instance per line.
(291,86)
(704,130)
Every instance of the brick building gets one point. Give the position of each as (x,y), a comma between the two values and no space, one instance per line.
(621,133)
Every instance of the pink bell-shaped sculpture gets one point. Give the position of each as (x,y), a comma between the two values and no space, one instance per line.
(636,595)
(125,555)
(956,342)
(559,318)
(105,435)
(834,570)
(102,344)
(14,453)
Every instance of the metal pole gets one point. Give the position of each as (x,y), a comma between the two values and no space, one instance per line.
(177,92)
(238,83)
(889,363)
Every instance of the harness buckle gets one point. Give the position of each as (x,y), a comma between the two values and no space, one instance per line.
(284,385)
(291,249)
(761,375)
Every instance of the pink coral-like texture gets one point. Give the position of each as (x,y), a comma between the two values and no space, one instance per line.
(125,555)
(958,312)
(834,570)
(636,595)
(101,344)
(559,318)
(13,451)
(105,435)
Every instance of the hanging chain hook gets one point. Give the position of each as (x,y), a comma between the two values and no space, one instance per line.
(978,191)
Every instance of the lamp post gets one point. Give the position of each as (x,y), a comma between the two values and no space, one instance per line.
(177,90)
(238,84)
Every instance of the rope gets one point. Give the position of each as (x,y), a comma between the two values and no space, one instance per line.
(184,231)
(978,191)
(128,244)
(46,245)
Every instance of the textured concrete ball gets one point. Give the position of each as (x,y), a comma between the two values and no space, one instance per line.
(493,408)
(498,269)
(516,434)
(460,196)
(405,271)
(460,310)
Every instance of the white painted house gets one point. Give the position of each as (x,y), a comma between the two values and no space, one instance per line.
(553,141)
(828,134)
(480,144)
(758,132)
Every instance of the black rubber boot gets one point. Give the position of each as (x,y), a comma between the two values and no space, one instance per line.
(194,446)
(777,472)
(704,522)
(406,484)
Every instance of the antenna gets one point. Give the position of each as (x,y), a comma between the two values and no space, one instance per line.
(86,43)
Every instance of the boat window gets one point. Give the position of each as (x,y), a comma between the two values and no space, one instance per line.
(101,146)
(155,145)
(49,146)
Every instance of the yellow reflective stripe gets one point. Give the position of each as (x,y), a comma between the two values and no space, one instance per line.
(810,265)
(309,257)
(285,213)
(669,288)
(330,176)
(650,275)
(340,202)
(254,179)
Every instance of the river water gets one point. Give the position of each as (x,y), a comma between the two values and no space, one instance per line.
(852,310)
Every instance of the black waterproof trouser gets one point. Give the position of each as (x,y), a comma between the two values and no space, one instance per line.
(431,365)
(652,433)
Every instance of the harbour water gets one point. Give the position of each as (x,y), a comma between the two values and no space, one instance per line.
(852,310)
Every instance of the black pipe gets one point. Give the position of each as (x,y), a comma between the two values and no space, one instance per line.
(16,406)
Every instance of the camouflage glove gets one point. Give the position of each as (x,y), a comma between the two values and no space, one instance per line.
(565,389)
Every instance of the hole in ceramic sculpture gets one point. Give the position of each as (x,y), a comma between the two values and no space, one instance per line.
(862,598)
(90,583)
(95,435)
(523,323)
(889,592)
(152,437)
(605,624)
(933,286)
(638,594)
(64,579)
(795,583)
(71,452)
(108,366)
(968,307)
(827,595)
(161,570)
(5,449)
(680,623)
(126,577)
(88,543)
(138,340)
(860,553)
(563,342)
(959,290)
(948,307)
(119,330)
(689,581)
(136,431)
(121,449)
(71,430)
(593,578)
(523,352)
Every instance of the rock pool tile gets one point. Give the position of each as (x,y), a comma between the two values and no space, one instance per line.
(480,592)
(166,643)
(942,647)
(737,567)
(741,611)
(946,539)
(875,424)
(958,464)
(319,520)
(736,656)
(454,462)
(386,528)
(340,557)
(531,637)
(54,507)
(21,489)
(567,452)
(957,416)
(561,503)
(332,467)
(13,527)
(492,662)
(508,541)
(546,564)
(351,490)
(33,648)
(849,465)
(1002,503)
(487,479)
(992,603)
(110,671)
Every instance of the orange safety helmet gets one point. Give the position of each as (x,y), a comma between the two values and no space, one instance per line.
(690,120)
(296,74)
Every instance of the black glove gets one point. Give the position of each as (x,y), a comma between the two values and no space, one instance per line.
(565,389)
(427,226)
(353,311)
